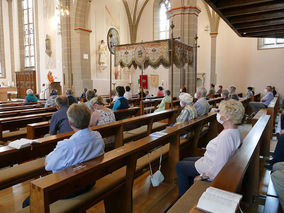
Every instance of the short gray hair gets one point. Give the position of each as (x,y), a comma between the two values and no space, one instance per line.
(186,98)
(233,88)
(62,101)
(79,116)
(202,91)
(90,94)
(225,93)
(29,91)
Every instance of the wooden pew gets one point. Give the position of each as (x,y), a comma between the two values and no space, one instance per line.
(12,113)
(215,101)
(272,110)
(176,104)
(240,174)
(10,108)
(11,156)
(19,104)
(114,182)
(37,130)
(12,123)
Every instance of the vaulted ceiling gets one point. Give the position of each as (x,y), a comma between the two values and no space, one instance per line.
(252,18)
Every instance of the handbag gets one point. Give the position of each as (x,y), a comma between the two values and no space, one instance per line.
(157,178)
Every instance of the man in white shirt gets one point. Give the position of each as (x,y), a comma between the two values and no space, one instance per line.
(127,94)
(218,151)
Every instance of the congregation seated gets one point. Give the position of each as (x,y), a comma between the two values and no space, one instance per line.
(219,91)
(202,106)
(89,95)
(160,92)
(84,95)
(250,92)
(102,115)
(188,112)
(166,99)
(218,151)
(30,96)
(127,94)
(211,92)
(50,102)
(277,177)
(225,94)
(71,98)
(233,94)
(82,146)
(59,121)
(121,102)
(265,101)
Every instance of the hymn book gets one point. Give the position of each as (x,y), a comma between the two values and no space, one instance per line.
(21,143)
(218,201)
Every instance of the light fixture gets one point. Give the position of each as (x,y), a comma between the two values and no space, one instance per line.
(61,10)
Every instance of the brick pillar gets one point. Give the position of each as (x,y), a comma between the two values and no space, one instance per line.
(185,17)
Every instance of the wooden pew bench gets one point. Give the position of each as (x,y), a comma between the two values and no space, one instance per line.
(47,145)
(113,181)
(6,114)
(18,104)
(12,123)
(272,110)
(10,108)
(37,130)
(240,174)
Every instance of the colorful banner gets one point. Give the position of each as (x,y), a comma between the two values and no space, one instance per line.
(152,54)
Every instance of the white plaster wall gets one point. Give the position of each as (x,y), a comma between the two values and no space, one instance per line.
(102,16)
(203,52)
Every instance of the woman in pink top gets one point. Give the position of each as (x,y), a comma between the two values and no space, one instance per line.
(160,92)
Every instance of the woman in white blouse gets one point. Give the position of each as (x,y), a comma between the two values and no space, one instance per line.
(218,150)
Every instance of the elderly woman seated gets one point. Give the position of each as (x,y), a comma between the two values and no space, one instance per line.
(102,115)
(218,150)
(189,111)
(166,99)
(30,96)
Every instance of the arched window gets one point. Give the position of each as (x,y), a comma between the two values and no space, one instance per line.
(27,6)
(164,23)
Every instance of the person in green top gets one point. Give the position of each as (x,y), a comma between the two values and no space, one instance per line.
(30,96)
(166,99)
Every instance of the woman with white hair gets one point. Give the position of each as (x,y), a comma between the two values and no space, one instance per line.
(30,96)
(218,151)
(188,112)
(102,115)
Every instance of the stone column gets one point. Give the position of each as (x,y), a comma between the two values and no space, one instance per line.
(213,58)
(184,15)
(11,30)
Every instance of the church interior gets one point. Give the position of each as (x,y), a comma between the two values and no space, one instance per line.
(103,103)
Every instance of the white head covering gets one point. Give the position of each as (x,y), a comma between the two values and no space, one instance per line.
(186,98)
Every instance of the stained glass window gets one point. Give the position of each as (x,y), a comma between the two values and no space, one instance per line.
(164,23)
(29,33)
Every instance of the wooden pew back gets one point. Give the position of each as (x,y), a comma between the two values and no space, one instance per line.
(10,156)
(241,173)
(50,188)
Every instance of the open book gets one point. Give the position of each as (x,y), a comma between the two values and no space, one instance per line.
(21,143)
(218,201)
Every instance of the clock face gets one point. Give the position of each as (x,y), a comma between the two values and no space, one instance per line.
(112,39)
